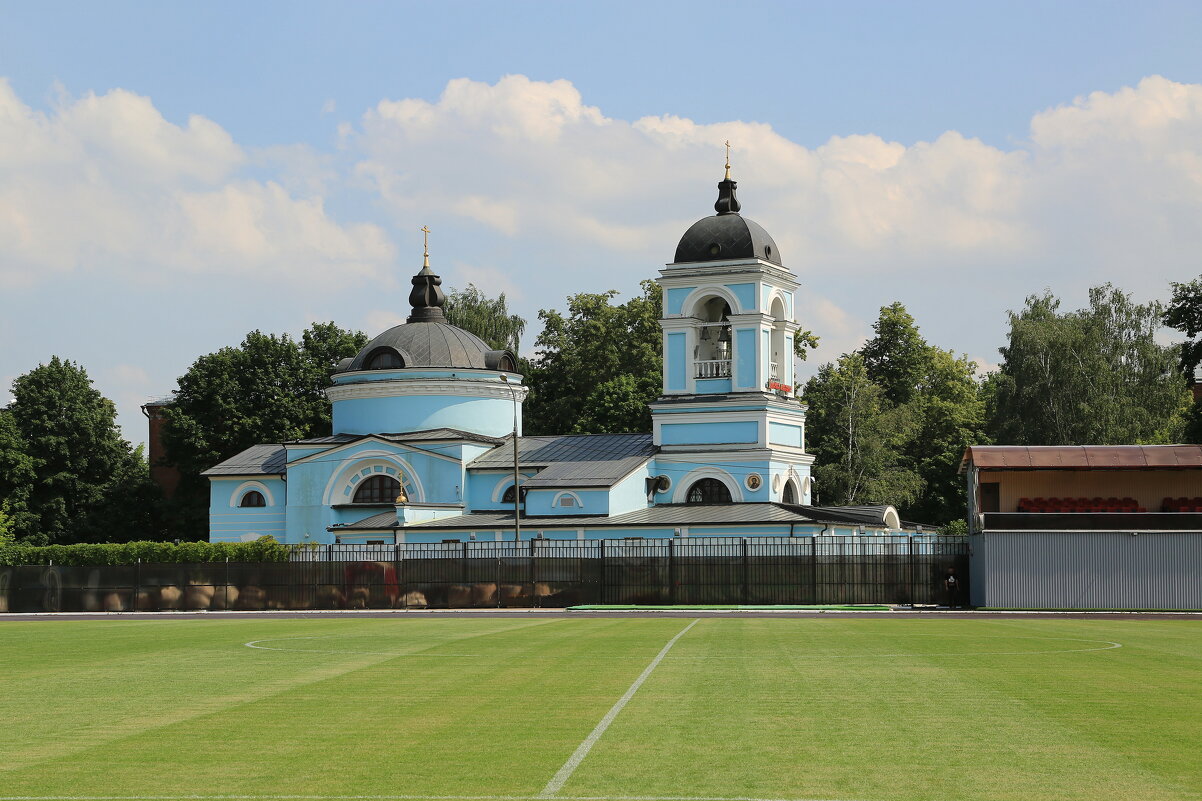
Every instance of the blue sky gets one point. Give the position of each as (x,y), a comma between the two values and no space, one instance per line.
(172,175)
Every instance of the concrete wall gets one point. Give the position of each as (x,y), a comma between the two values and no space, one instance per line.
(1087,570)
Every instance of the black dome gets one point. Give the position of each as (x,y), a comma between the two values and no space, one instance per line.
(726,235)
(430,345)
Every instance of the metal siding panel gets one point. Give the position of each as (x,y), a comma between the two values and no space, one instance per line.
(1095,570)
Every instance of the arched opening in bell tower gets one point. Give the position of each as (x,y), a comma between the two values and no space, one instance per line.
(713,351)
(777,363)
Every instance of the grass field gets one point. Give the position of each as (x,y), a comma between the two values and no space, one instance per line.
(765,708)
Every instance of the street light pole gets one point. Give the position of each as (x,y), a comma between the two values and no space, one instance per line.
(517,492)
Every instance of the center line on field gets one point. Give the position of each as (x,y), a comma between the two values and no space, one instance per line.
(569,767)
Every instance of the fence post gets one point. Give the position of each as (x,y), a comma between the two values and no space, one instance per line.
(533,562)
(604,572)
(910,570)
(814,569)
(133,605)
(226,587)
(746,590)
(672,571)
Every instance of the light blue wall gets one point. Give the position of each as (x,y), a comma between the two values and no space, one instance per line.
(674,299)
(746,295)
(440,479)
(784,434)
(713,386)
(630,494)
(745,356)
(717,433)
(229,523)
(481,485)
(592,502)
(677,362)
(490,416)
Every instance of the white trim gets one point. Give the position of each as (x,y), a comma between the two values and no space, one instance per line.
(560,496)
(340,479)
(506,482)
(451,387)
(372,438)
(892,519)
(709,471)
(704,292)
(245,487)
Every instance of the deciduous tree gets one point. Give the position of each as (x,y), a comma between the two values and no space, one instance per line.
(487,318)
(597,367)
(1094,376)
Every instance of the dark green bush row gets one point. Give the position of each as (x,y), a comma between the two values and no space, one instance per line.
(265,549)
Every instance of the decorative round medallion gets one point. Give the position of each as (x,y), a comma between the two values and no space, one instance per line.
(754,481)
(776,483)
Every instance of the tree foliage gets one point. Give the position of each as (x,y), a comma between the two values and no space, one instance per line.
(268,389)
(487,318)
(1184,313)
(1093,376)
(599,366)
(889,423)
(66,475)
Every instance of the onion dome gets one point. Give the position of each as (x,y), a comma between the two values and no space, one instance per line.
(427,339)
(728,235)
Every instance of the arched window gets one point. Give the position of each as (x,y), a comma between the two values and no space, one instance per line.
(788,496)
(252,498)
(507,365)
(378,490)
(507,497)
(713,351)
(385,359)
(708,490)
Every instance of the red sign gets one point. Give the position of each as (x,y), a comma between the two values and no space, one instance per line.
(779,387)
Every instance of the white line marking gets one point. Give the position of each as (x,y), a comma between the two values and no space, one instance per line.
(178,797)
(569,767)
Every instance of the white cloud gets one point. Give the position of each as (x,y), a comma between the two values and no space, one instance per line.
(1107,185)
(105,183)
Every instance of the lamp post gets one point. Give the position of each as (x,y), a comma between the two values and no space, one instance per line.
(517,492)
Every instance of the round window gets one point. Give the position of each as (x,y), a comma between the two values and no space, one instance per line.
(715,248)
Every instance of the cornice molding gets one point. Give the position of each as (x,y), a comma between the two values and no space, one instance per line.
(436,386)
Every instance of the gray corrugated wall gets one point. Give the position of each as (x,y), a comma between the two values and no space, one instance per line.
(1087,570)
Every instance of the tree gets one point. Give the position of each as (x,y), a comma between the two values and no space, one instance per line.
(1184,313)
(70,475)
(1094,376)
(598,367)
(897,357)
(857,438)
(268,389)
(489,319)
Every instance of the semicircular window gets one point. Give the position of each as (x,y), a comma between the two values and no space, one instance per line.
(254,498)
(708,490)
(507,365)
(378,490)
(385,359)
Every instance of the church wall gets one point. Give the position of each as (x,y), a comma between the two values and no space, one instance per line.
(716,433)
(674,299)
(676,364)
(785,434)
(630,494)
(397,414)
(746,295)
(229,522)
(745,358)
(592,502)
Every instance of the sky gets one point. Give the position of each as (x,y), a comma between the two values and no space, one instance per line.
(175,175)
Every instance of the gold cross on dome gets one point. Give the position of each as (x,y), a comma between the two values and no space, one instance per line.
(728,159)
(425,229)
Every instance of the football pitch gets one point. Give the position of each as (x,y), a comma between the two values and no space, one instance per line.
(602,708)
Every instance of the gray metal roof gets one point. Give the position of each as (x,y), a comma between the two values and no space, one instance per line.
(429,345)
(383,520)
(257,460)
(669,515)
(426,435)
(578,460)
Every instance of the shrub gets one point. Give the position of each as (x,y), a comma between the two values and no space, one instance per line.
(264,549)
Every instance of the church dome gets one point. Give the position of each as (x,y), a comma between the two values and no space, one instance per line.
(427,338)
(727,235)
(428,344)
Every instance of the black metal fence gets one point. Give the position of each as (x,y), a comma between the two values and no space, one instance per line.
(538,573)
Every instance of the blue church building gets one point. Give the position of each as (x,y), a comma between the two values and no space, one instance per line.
(426,419)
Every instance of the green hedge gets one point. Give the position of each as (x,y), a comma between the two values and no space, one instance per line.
(264,549)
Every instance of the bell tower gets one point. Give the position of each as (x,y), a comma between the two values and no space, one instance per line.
(728,383)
